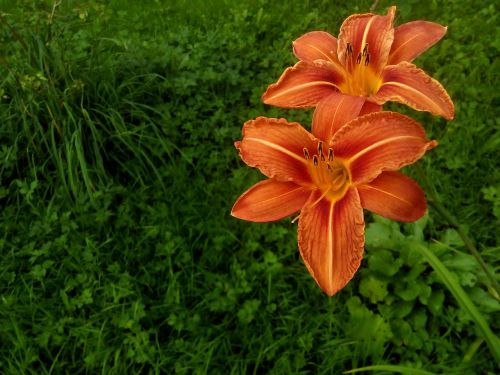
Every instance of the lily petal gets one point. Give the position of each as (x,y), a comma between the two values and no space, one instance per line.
(405,83)
(316,45)
(331,239)
(370,107)
(333,112)
(394,196)
(413,38)
(360,30)
(304,84)
(276,148)
(378,142)
(270,200)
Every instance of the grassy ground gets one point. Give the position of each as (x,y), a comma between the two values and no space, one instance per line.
(118,174)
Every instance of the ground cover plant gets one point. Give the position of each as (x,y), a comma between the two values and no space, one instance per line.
(118,175)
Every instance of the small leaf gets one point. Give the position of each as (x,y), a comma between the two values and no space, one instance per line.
(373,288)
(384,263)
(247,312)
(435,302)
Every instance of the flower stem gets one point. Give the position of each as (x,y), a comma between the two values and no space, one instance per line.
(436,204)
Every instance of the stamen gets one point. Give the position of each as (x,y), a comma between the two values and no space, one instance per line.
(320,147)
(295,218)
(322,157)
(367,59)
(306,153)
(330,154)
(365,50)
(348,49)
(315,160)
(358,59)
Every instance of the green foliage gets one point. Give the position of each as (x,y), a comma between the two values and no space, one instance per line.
(412,298)
(118,173)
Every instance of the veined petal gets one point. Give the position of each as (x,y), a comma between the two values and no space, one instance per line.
(405,83)
(316,45)
(270,200)
(304,84)
(413,38)
(331,239)
(394,196)
(361,30)
(333,112)
(379,141)
(276,148)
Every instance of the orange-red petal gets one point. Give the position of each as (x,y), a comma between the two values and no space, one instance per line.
(360,30)
(270,200)
(405,83)
(276,148)
(413,38)
(333,112)
(378,142)
(304,84)
(394,196)
(331,239)
(316,45)
(370,107)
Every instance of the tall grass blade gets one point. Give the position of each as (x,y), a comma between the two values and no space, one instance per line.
(462,298)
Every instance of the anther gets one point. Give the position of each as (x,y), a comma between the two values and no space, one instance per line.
(367,59)
(358,59)
(365,50)
(315,160)
(320,147)
(330,154)
(349,49)
(306,153)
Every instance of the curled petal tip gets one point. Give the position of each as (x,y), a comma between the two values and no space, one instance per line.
(407,84)
(432,144)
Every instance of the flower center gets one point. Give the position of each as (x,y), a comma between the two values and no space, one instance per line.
(329,174)
(361,79)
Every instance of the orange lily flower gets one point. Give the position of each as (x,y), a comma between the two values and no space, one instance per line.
(371,59)
(348,163)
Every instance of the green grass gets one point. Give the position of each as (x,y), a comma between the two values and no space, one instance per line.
(118,174)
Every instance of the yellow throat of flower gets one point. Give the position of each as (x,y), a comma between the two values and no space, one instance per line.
(360,77)
(329,174)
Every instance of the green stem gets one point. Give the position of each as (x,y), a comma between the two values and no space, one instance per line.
(436,204)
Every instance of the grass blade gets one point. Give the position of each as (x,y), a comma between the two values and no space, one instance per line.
(391,368)
(462,298)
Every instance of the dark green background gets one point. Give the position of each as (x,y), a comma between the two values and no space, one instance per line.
(118,173)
